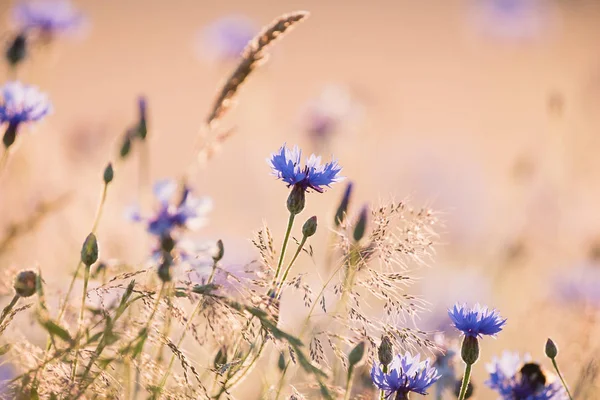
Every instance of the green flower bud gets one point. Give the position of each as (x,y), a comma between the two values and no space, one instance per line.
(109,174)
(17,51)
(281,362)
(164,269)
(126,146)
(357,354)
(361,225)
(310,227)
(25,283)
(89,250)
(221,357)
(385,351)
(167,243)
(551,349)
(470,350)
(343,207)
(220,251)
(296,200)
(10,135)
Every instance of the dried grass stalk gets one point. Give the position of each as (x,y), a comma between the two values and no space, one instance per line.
(254,54)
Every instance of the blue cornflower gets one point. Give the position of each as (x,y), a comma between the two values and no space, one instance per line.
(520,379)
(286,166)
(20,104)
(47,16)
(476,322)
(405,374)
(189,211)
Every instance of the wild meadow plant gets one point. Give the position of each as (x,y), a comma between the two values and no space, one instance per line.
(123,336)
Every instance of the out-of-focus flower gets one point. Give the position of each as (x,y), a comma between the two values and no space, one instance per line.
(512,19)
(47,16)
(333,110)
(580,286)
(445,364)
(225,38)
(520,379)
(405,374)
(477,321)
(286,166)
(186,211)
(21,104)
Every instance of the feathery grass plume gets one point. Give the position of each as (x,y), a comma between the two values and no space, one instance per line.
(254,53)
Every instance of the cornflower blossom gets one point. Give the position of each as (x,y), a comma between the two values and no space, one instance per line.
(477,321)
(186,212)
(47,16)
(226,38)
(581,286)
(405,374)
(21,104)
(286,166)
(516,378)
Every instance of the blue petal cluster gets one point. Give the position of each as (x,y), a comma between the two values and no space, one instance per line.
(49,16)
(286,166)
(508,379)
(477,321)
(226,38)
(405,374)
(188,211)
(22,103)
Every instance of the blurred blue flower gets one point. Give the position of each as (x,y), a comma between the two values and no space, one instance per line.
(187,212)
(286,166)
(581,286)
(49,16)
(405,374)
(520,379)
(226,38)
(22,103)
(477,321)
(445,364)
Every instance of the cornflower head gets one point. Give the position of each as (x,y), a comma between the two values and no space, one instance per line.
(286,165)
(20,104)
(406,373)
(516,378)
(473,323)
(225,39)
(477,321)
(47,16)
(186,211)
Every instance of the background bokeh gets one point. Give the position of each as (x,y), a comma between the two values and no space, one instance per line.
(485,111)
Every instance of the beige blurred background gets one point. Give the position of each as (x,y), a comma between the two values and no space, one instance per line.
(497,129)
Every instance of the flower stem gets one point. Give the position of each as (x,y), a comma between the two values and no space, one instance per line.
(284,245)
(86,279)
(382,392)
(3,160)
(287,270)
(465,382)
(349,383)
(561,378)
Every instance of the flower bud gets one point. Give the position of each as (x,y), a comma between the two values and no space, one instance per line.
(551,349)
(310,227)
(296,200)
(220,251)
(10,134)
(109,174)
(25,283)
(167,243)
(357,354)
(17,51)
(385,351)
(470,350)
(361,225)
(89,250)
(142,130)
(281,362)
(340,214)
(221,357)
(164,269)
(125,146)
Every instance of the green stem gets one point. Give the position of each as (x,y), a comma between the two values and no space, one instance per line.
(561,378)
(465,382)
(9,307)
(349,383)
(287,270)
(3,160)
(86,279)
(382,392)
(100,208)
(284,245)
